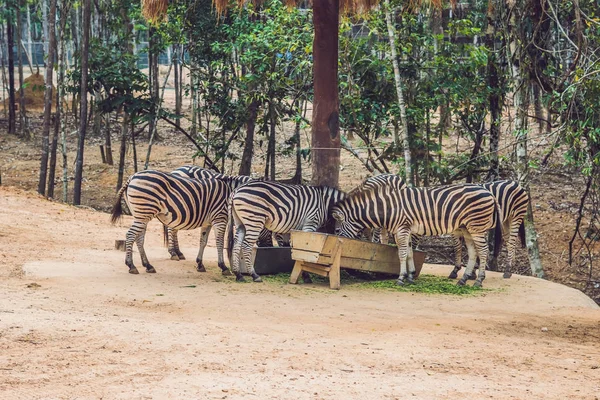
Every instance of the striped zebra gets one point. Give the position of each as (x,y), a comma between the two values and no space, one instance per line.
(179,203)
(192,171)
(512,199)
(279,208)
(467,211)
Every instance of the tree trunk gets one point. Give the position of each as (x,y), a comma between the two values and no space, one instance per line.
(12,120)
(83,104)
(123,149)
(29,44)
(495,98)
(153,72)
(325,120)
(273,125)
(246,164)
(176,64)
(405,133)
(3,72)
(522,97)
(45,24)
(47,100)
(23,120)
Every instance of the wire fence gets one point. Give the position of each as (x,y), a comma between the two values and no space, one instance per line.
(35,53)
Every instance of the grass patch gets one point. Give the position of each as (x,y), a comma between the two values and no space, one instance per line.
(424,284)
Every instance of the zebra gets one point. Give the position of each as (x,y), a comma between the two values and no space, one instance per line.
(467,211)
(511,197)
(279,208)
(179,203)
(513,201)
(192,171)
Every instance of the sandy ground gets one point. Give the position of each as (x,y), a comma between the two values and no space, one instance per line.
(75,324)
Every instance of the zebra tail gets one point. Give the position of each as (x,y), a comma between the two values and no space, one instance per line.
(117,210)
(230,235)
(522,234)
(165,236)
(498,237)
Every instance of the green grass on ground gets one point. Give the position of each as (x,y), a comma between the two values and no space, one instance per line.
(424,284)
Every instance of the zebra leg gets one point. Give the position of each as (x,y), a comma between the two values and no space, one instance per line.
(376,235)
(132,235)
(472,259)
(457,257)
(174,245)
(220,229)
(248,243)
(511,247)
(482,248)
(204,231)
(240,233)
(140,244)
(403,241)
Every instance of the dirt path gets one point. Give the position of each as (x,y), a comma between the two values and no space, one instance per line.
(90,330)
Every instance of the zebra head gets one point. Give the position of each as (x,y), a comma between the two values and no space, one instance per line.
(345,224)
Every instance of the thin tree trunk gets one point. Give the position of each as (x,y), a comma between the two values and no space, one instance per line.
(405,133)
(47,100)
(246,163)
(45,24)
(325,120)
(273,126)
(12,120)
(495,98)
(162,95)
(108,141)
(83,105)
(123,150)
(522,97)
(3,72)
(23,120)
(176,55)
(133,146)
(29,40)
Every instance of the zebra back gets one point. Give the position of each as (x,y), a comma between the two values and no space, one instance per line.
(179,203)
(426,211)
(195,172)
(391,180)
(283,206)
(512,199)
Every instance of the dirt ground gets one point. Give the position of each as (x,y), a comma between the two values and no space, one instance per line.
(75,324)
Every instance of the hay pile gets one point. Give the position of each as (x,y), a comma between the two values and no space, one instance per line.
(34,88)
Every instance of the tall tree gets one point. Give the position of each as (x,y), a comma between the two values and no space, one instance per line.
(48,99)
(23,120)
(10,41)
(83,103)
(326,142)
(400,94)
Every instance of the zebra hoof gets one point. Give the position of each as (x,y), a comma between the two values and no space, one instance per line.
(461,282)
(150,269)
(410,281)
(226,272)
(181,256)
(175,257)
(453,275)
(306,277)
(399,283)
(239,278)
(478,284)
(133,270)
(507,275)
(200,268)
(257,278)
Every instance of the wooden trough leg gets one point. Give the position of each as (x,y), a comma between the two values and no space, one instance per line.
(334,273)
(296,272)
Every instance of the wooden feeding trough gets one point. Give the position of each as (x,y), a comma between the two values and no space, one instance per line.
(324,254)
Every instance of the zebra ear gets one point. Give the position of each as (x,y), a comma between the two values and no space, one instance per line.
(338,216)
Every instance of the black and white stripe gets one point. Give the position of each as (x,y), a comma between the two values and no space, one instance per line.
(179,203)
(467,211)
(279,208)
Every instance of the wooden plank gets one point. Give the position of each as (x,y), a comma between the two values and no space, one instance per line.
(311,241)
(296,272)
(304,255)
(318,271)
(334,274)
